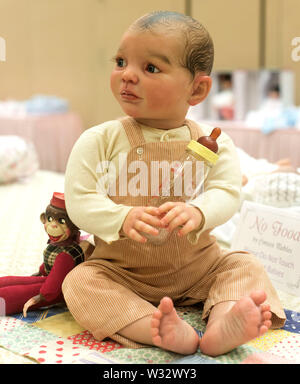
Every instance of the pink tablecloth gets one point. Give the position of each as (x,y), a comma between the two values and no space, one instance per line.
(280,144)
(52,135)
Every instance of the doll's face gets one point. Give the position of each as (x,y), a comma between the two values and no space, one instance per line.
(148,80)
(56,224)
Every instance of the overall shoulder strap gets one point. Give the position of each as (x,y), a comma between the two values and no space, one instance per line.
(195,129)
(133,131)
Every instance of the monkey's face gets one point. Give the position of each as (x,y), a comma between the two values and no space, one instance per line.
(56,225)
(57,229)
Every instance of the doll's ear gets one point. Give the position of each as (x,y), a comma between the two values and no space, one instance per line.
(201,87)
(43,218)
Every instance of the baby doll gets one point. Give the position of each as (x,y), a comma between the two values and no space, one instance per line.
(128,287)
(62,254)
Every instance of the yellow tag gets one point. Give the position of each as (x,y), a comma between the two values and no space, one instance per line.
(202,151)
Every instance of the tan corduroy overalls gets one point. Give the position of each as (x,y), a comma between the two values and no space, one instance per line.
(123,281)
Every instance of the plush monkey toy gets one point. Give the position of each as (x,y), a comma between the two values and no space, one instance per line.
(62,254)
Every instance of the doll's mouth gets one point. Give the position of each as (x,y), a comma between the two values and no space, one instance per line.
(54,238)
(127,95)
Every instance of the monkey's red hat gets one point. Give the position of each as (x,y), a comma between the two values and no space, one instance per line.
(58,200)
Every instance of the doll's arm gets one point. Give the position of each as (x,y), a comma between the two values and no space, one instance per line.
(41,271)
(88,202)
(34,300)
(63,264)
(51,289)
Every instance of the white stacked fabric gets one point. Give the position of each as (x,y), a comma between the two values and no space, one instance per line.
(280,190)
(18,159)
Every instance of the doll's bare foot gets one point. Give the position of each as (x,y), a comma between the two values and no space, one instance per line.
(170,332)
(247,319)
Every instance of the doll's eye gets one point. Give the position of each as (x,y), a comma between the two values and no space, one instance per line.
(152,68)
(49,218)
(62,221)
(120,62)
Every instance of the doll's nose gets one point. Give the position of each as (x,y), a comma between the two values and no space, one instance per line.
(130,75)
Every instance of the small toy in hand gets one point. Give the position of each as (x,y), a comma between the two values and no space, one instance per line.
(62,254)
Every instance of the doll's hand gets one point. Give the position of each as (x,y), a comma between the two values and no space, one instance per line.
(141,219)
(183,215)
(34,300)
(36,274)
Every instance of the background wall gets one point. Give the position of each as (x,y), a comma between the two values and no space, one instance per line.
(64,47)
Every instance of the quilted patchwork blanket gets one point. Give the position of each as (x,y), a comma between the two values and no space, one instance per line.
(53,336)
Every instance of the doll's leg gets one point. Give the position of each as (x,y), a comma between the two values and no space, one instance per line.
(15,296)
(7,281)
(242,304)
(237,275)
(104,306)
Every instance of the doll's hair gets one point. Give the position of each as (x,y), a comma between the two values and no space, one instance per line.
(198,45)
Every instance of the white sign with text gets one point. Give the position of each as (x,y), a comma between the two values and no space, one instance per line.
(273,236)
